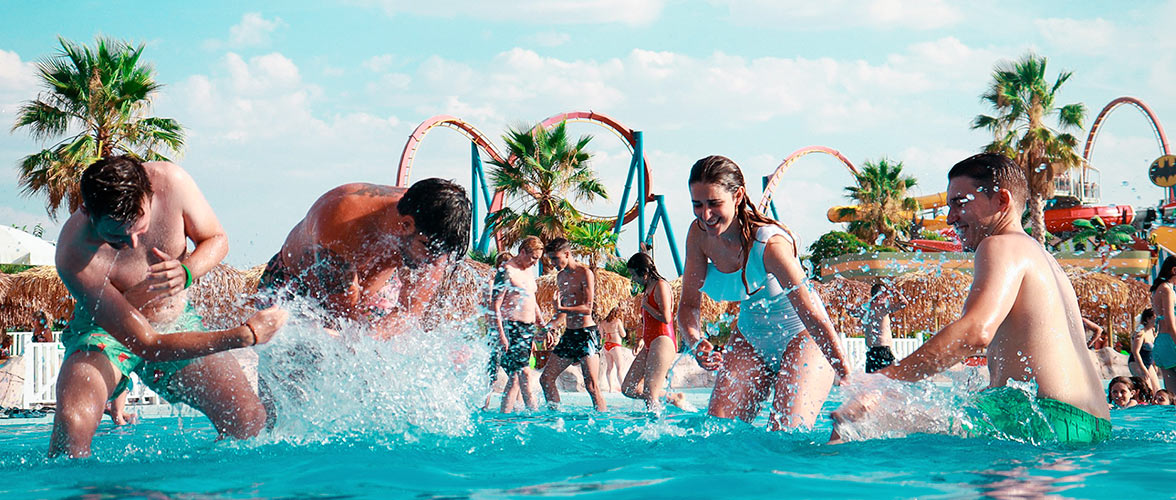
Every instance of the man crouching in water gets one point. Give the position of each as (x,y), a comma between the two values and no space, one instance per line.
(575,291)
(374,255)
(1022,309)
(123,256)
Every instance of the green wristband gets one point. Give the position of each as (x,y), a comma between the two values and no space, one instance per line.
(187,276)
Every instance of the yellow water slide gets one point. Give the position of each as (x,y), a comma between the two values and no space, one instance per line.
(1164,236)
(928,202)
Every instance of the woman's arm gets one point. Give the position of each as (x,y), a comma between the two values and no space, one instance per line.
(690,305)
(781,261)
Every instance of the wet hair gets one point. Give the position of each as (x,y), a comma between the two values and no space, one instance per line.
(530,244)
(1169,394)
(993,172)
(1142,393)
(613,314)
(877,288)
(1146,315)
(115,187)
(723,172)
(557,245)
(441,211)
(641,264)
(1167,269)
(502,258)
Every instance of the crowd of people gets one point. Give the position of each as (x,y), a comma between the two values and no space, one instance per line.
(373,257)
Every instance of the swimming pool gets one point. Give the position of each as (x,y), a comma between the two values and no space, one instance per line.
(626,453)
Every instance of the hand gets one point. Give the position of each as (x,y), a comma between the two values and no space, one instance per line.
(505,343)
(167,276)
(266,322)
(549,337)
(856,408)
(707,357)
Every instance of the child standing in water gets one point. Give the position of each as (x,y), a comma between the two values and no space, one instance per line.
(784,336)
(647,375)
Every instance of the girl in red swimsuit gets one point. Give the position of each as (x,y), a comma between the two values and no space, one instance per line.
(647,375)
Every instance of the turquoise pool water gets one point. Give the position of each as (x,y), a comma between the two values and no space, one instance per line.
(625,453)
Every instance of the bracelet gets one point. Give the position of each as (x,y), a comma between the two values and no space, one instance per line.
(253,332)
(187,276)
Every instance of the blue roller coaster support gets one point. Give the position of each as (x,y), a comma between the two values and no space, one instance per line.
(478,186)
(771,203)
(663,216)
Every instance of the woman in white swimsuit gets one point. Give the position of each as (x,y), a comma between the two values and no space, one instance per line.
(735,253)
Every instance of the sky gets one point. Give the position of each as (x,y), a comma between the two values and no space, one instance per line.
(284,100)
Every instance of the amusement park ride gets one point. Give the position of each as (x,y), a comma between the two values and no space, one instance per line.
(482,199)
(1076,197)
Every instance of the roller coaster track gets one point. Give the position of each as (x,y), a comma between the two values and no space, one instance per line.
(774,180)
(477,137)
(1102,115)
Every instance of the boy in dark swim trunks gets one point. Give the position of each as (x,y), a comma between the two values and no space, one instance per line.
(875,316)
(1021,311)
(580,342)
(516,320)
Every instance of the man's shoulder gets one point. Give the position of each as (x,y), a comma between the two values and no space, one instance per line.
(167,172)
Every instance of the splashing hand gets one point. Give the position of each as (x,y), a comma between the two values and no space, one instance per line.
(706,356)
(266,322)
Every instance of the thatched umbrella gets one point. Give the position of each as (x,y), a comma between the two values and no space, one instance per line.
(1110,301)
(842,297)
(14,316)
(218,297)
(253,276)
(463,295)
(40,289)
(936,298)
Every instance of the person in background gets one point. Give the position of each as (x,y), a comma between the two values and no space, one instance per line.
(1164,398)
(42,328)
(1140,360)
(612,329)
(875,317)
(1097,339)
(516,320)
(1163,302)
(1127,392)
(646,378)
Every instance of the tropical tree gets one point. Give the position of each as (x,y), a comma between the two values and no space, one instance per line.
(1097,230)
(883,207)
(594,240)
(95,103)
(542,175)
(1023,99)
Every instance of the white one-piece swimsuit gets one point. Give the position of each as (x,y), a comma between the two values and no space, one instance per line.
(766,318)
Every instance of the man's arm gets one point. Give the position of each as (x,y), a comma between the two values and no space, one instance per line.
(497,295)
(200,225)
(113,313)
(988,304)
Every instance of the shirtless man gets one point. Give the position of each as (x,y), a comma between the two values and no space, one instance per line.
(580,342)
(516,318)
(1021,309)
(123,256)
(876,325)
(374,255)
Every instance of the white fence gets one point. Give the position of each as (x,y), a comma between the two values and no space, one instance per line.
(856,350)
(42,363)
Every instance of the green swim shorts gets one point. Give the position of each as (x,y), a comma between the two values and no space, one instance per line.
(1011,413)
(87,336)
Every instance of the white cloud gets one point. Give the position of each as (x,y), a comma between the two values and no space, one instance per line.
(1084,36)
(840,14)
(253,31)
(18,82)
(381,63)
(631,12)
(548,39)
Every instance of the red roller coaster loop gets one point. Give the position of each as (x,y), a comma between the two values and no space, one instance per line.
(414,142)
(774,180)
(1102,115)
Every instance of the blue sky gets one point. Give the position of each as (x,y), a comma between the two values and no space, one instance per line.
(283,100)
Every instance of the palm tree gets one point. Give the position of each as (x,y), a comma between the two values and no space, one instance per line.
(883,205)
(101,95)
(542,172)
(1023,99)
(593,240)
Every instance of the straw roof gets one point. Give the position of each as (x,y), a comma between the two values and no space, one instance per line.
(462,296)
(218,297)
(1109,300)
(935,298)
(842,297)
(39,289)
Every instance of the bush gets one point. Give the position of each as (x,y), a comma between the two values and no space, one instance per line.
(834,244)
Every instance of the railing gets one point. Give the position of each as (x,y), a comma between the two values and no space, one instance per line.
(41,366)
(19,341)
(856,350)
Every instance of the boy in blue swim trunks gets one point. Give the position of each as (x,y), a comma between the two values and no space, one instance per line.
(123,256)
(580,343)
(1021,311)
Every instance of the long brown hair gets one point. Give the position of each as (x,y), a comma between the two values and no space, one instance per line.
(721,171)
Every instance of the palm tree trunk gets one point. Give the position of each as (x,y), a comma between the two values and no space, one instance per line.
(1037,213)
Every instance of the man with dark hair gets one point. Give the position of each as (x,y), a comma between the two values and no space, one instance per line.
(374,255)
(580,343)
(123,256)
(1021,311)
